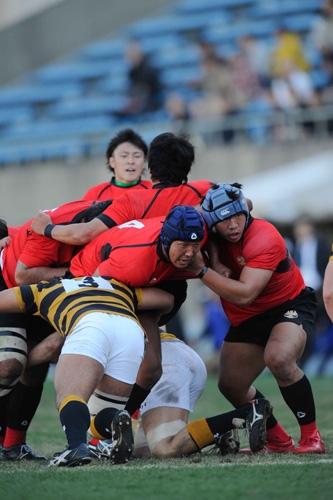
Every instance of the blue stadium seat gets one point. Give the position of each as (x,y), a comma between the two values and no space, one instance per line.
(14,114)
(36,93)
(230,32)
(177,57)
(280,8)
(113,84)
(109,49)
(191,6)
(299,23)
(41,129)
(173,24)
(76,71)
(177,77)
(22,152)
(88,106)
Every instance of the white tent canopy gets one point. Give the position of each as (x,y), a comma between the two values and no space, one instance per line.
(305,186)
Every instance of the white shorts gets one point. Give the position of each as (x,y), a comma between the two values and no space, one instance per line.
(183,379)
(114,341)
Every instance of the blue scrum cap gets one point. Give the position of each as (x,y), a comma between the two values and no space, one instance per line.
(222,202)
(183,223)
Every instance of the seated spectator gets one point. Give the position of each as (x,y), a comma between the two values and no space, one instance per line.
(288,47)
(220,96)
(322,35)
(144,82)
(258,54)
(177,112)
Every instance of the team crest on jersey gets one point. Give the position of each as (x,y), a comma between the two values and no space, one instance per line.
(241,260)
(291,314)
(194,236)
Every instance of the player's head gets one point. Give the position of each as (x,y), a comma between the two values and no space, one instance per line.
(126,135)
(183,223)
(170,158)
(223,201)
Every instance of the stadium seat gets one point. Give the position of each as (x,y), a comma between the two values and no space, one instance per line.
(88,106)
(38,130)
(110,49)
(199,6)
(37,93)
(76,71)
(26,151)
(15,114)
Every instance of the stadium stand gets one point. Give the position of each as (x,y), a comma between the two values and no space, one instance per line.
(71,107)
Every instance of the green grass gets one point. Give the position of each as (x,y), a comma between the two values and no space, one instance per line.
(200,477)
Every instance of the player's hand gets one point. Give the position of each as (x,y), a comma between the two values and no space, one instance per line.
(196,264)
(40,222)
(222,269)
(4,242)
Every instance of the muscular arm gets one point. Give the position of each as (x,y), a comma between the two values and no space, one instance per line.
(328,289)
(240,292)
(47,350)
(72,234)
(155,298)
(8,302)
(25,275)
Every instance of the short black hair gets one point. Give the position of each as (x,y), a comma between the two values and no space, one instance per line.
(126,135)
(170,158)
(3,229)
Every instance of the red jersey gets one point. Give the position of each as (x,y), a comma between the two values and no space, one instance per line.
(109,190)
(262,247)
(13,230)
(37,251)
(153,202)
(129,253)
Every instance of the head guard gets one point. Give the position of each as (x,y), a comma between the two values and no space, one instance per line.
(222,202)
(183,223)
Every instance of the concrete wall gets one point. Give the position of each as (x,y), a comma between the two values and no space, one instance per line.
(49,35)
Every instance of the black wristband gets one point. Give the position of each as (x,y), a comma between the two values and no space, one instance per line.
(48,230)
(202,272)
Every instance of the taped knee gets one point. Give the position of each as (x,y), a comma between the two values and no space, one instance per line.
(162,431)
(13,357)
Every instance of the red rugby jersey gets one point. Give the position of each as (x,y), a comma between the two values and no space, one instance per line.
(153,202)
(109,190)
(262,247)
(133,258)
(37,251)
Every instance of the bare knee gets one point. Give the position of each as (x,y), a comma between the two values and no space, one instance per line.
(11,369)
(283,367)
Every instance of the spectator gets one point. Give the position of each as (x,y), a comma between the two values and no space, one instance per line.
(258,55)
(322,35)
(220,96)
(311,253)
(288,47)
(144,82)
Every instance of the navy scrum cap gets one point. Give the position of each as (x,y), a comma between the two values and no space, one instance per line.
(222,202)
(183,223)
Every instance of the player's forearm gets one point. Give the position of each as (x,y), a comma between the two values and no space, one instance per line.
(36,274)
(47,350)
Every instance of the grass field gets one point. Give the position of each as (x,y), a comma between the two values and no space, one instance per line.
(200,477)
